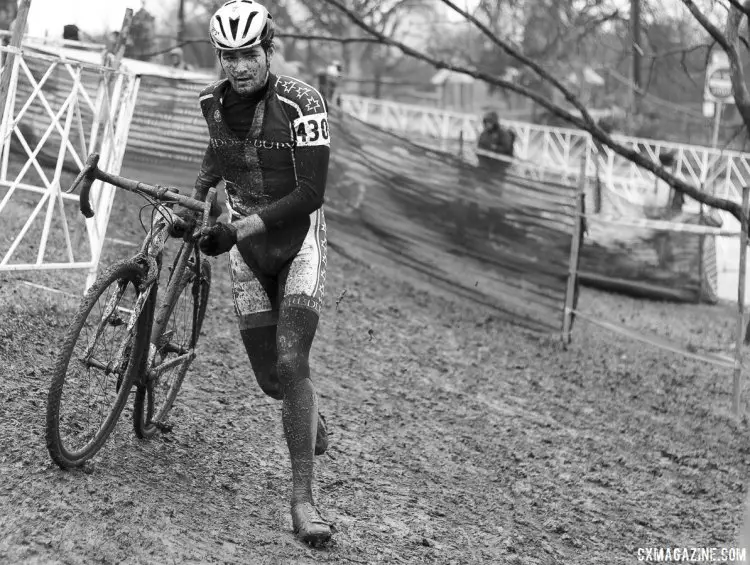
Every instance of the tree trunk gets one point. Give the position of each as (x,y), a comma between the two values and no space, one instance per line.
(635,29)
(181,22)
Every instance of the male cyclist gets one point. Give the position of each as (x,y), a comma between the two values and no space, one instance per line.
(269,142)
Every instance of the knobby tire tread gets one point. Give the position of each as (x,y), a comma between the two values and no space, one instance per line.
(134,272)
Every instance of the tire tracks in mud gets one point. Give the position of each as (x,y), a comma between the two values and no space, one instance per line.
(456,439)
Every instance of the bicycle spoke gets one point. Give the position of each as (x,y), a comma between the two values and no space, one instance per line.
(174,350)
(98,362)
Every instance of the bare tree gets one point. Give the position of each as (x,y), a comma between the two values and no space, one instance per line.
(726,35)
(389,17)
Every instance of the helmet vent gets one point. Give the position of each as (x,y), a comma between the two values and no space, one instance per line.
(234,23)
(221,25)
(249,22)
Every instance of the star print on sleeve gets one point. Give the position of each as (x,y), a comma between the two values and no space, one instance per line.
(301,90)
(311,104)
(287,85)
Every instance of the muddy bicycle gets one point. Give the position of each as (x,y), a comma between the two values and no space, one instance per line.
(129,335)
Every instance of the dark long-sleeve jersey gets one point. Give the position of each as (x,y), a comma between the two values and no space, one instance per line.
(278,168)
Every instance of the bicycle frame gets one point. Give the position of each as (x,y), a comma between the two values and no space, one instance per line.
(151,249)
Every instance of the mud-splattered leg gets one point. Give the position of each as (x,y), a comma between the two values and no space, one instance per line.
(295,334)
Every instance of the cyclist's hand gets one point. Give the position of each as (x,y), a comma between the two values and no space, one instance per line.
(218,239)
(190,217)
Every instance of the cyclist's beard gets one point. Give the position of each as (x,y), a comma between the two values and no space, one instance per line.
(250,83)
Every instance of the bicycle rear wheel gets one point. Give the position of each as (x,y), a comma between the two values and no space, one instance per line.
(170,355)
(94,369)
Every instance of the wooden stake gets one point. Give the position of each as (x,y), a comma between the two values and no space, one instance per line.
(702,294)
(575,247)
(16,39)
(737,385)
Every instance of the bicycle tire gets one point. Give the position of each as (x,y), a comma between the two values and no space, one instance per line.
(150,409)
(124,272)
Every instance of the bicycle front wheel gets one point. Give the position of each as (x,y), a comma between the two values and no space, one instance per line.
(172,353)
(94,369)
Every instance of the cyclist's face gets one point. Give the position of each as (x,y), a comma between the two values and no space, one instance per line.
(247,69)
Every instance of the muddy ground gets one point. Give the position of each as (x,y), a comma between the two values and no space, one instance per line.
(456,438)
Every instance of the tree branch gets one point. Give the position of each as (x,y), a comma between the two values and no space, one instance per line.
(712,30)
(591,25)
(744,8)
(597,133)
(328,38)
(539,70)
(739,87)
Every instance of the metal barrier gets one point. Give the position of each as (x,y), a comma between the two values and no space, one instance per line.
(56,113)
(719,172)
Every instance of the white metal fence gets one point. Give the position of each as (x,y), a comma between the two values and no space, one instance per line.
(718,172)
(56,113)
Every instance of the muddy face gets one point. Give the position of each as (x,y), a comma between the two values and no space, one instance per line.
(247,69)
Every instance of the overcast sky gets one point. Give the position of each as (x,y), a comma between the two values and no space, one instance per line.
(91,16)
(95,16)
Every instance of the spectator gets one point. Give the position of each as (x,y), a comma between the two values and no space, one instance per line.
(176,59)
(323,83)
(71,32)
(668,160)
(5,22)
(495,139)
(111,43)
(332,78)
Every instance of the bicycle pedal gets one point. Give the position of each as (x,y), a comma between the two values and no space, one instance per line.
(172,348)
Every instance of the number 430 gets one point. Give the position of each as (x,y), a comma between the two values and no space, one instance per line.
(317,130)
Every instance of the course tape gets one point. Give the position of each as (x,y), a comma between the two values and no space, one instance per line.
(712,358)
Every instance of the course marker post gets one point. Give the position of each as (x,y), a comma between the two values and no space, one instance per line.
(737,384)
(575,248)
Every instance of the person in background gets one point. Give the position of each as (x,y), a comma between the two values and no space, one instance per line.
(110,44)
(495,139)
(71,32)
(676,199)
(7,17)
(176,59)
(333,76)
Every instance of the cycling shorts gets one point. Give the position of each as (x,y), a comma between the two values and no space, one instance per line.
(300,281)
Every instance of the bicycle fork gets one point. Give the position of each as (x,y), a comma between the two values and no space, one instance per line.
(120,365)
(159,341)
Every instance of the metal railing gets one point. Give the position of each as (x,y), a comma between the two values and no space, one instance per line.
(56,113)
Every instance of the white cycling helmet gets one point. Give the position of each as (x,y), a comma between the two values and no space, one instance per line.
(241,24)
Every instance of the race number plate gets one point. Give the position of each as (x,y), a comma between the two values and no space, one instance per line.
(312,130)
